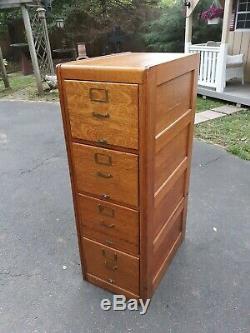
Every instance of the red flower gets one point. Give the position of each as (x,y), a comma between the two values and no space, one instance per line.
(211,13)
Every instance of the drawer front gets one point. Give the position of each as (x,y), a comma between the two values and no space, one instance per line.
(110,224)
(103,112)
(110,287)
(108,174)
(112,266)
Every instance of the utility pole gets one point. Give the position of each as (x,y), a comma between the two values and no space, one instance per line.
(3,70)
(32,49)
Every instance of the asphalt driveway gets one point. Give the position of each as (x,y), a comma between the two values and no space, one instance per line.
(206,289)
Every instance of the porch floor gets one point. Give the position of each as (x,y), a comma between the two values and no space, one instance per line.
(234,92)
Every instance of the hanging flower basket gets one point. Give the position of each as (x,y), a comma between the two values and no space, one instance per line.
(212,15)
(215,20)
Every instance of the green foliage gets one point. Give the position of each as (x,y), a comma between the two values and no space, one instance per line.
(8,15)
(88,20)
(159,23)
(166,33)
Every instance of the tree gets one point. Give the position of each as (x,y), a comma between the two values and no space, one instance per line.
(166,33)
(89,19)
(6,16)
(99,22)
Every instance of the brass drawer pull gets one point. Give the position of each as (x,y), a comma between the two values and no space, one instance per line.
(107,211)
(102,141)
(107,225)
(104,175)
(100,115)
(105,196)
(103,159)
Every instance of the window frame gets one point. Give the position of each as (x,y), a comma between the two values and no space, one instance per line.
(236,18)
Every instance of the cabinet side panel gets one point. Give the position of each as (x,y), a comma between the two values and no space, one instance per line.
(190,142)
(173,99)
(173,144)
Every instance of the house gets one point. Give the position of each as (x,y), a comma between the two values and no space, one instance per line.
(221,61)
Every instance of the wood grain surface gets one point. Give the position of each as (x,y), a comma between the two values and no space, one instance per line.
(105,112)
(116,180)
(113,266)
(110,224)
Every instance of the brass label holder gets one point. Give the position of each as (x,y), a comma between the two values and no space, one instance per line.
(110,262)
(103,159)
(106,211)
(100,95)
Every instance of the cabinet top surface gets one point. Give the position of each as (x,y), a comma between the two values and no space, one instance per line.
(128,60)
(123,67)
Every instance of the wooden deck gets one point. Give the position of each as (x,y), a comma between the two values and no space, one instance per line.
(234,93)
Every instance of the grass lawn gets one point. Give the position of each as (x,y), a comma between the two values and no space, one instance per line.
(231,132)
(24,87)
(206,104)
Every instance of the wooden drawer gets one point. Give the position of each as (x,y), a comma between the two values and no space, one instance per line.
(111,287)
(104,112)
(108,174)
(110,224)
(112,266)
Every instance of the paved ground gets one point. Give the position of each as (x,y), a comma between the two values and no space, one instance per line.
(207,288)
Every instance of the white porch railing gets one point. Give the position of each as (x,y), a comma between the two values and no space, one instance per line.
(211,71)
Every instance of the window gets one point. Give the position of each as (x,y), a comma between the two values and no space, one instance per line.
(243,15)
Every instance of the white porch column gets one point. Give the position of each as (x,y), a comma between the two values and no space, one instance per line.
(188,31)
(221,68)
(189,23)
(226,20)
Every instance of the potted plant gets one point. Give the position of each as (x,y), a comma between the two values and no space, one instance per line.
(212,15)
